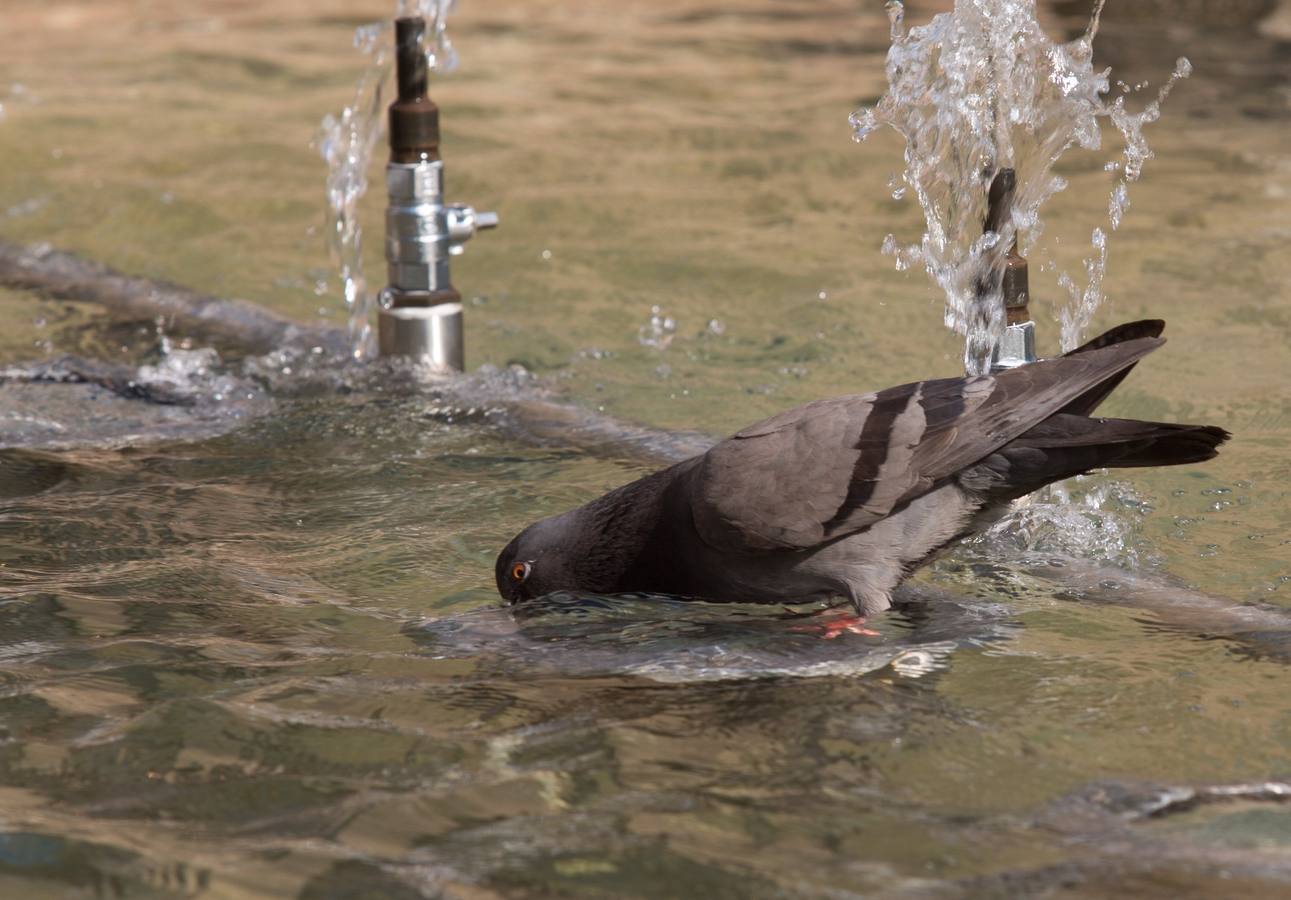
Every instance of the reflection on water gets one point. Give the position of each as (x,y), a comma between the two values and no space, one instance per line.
(271,663)
(675,641)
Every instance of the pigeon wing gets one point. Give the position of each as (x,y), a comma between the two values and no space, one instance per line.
(833,467)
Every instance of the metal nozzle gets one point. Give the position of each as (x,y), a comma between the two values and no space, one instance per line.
(1015,284)
(411,68)
(999,200)
(421,312)
(1017,346)
(414,118)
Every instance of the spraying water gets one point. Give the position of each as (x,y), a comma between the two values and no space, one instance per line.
(346,143)
(983,88)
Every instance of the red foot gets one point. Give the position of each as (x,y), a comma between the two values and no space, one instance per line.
(842,621)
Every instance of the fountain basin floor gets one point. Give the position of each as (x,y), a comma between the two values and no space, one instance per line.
(269,662)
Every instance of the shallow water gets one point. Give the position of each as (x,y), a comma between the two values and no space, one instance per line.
(270,663)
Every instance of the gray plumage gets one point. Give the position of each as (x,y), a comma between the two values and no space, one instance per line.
(847,496)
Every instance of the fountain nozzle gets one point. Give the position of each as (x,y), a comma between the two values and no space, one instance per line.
(998,213)
(421,312)
(1017,346)
(414,117)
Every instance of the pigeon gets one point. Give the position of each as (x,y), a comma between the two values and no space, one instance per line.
(845,497)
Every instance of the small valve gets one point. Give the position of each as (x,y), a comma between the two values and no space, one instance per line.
(462,221)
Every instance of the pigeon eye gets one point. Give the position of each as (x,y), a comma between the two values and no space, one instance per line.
(520,571)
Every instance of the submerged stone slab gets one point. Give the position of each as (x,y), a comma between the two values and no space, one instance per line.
(53,415)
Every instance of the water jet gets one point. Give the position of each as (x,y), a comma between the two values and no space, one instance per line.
(987,104)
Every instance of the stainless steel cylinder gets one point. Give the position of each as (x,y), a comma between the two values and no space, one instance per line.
(431,334)
(1016,347)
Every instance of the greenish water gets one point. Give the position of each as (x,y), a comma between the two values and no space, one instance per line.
(270,663)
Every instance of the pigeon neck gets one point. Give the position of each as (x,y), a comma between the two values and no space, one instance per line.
(630,532)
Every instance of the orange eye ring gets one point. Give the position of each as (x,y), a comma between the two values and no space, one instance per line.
(520,571)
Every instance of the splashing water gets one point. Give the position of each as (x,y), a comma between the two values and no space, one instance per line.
(979,89)
(659,330)
(1086,516)
(347,141)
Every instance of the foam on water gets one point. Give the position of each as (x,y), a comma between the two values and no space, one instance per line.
(1088,516)
(979,89)
(347,141)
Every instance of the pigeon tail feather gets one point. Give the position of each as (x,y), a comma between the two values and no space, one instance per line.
(1087,402)
(1065,445)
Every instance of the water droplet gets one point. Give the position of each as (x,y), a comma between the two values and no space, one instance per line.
(896,17)
(658,331)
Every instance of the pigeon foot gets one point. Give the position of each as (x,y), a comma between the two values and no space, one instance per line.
(839,622)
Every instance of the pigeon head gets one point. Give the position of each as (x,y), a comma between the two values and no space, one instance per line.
(536,562)
(595,548)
